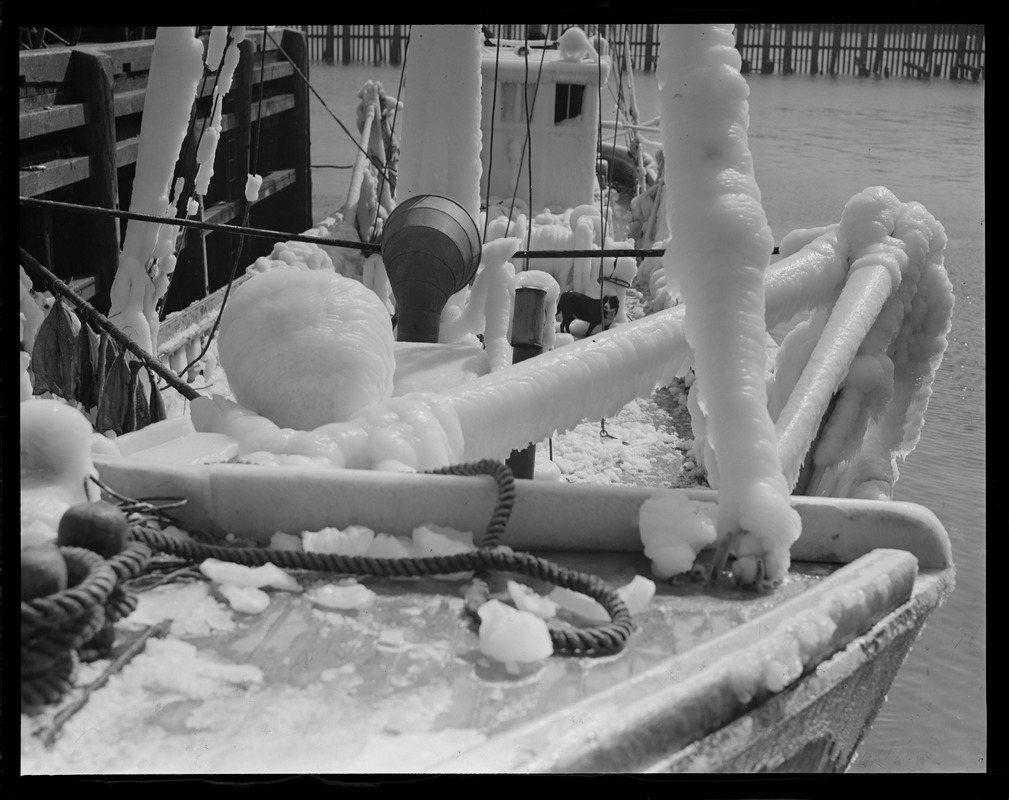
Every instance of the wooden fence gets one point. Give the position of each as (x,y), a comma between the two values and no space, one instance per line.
(878,49)
(79,126)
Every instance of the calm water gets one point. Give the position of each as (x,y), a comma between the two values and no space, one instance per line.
(817,141)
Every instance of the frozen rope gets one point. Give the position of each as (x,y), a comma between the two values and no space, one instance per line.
(193,223)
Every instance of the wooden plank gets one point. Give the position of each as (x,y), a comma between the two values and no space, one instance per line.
(85,286)
(53,175)
(43,66)
(127,57)
(223,213)
(50,120)
(131,102)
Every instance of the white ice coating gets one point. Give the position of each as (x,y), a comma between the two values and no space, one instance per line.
(545,282)
(441,121)
(723,246)
(252,187)
(176,68)
(55,464)
(306,347)
(486,417)
(878,347)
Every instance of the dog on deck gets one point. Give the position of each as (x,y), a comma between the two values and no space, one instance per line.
(575,305)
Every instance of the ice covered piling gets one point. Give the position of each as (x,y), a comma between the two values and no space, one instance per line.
(441,118)
(723,246)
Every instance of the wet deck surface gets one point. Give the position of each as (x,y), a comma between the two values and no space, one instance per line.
(396,685)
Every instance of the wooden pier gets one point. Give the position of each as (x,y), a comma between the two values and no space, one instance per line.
(80,109)
(953,51)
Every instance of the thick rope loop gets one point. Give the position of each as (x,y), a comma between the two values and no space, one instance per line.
(55,627)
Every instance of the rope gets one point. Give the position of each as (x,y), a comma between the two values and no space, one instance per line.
(489,556)
(57,631)
(193,223)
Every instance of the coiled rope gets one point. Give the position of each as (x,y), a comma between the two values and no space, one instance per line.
(56,630)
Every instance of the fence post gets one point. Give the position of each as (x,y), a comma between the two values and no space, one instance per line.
(395,56)
(345,44)
(649,43)
(961,49)
(835,50)
(929,46)
(786,66)
(863,53)
(766,63)
(814,53)
(880,42)
(92,79)
(327,54)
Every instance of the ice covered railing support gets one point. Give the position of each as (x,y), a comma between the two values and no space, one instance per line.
(876,347)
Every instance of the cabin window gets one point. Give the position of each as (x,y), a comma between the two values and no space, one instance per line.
(514,100)
(568,101)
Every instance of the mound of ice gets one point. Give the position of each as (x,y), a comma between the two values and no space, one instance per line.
(305,348)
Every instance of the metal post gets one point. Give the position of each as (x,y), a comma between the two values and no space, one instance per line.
(527,341)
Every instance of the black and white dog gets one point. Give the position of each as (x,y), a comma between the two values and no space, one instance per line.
(575,305)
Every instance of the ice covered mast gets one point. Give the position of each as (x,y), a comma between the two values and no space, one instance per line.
(722,247)
(441,119)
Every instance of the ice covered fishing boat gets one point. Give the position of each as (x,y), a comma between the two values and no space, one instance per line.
(433,614)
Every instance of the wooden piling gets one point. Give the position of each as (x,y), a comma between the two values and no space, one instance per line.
(835,51)
(786,59)
(880,42)
(395,49)
(814,53)
(766,63)
(92,83)
(345,44)
(863,52)
(300,144)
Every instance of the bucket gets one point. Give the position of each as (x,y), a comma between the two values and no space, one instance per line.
(431,249)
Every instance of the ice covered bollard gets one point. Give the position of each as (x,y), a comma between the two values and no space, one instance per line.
(55,465)
(306,348)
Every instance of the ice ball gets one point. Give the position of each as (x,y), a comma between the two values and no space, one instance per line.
(306,348)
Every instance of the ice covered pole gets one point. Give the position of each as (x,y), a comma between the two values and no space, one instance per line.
(441,120)
(176,68)
(723,247)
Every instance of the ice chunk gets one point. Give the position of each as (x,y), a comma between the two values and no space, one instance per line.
(512,636)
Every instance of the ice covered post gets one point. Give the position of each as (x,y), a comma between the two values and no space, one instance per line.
(723,247)
(176,68)
(441,120)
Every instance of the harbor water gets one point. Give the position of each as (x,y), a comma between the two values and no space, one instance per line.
(816,141)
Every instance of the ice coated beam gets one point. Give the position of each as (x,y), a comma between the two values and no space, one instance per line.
(441,117)
(723,246)
(589,379)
